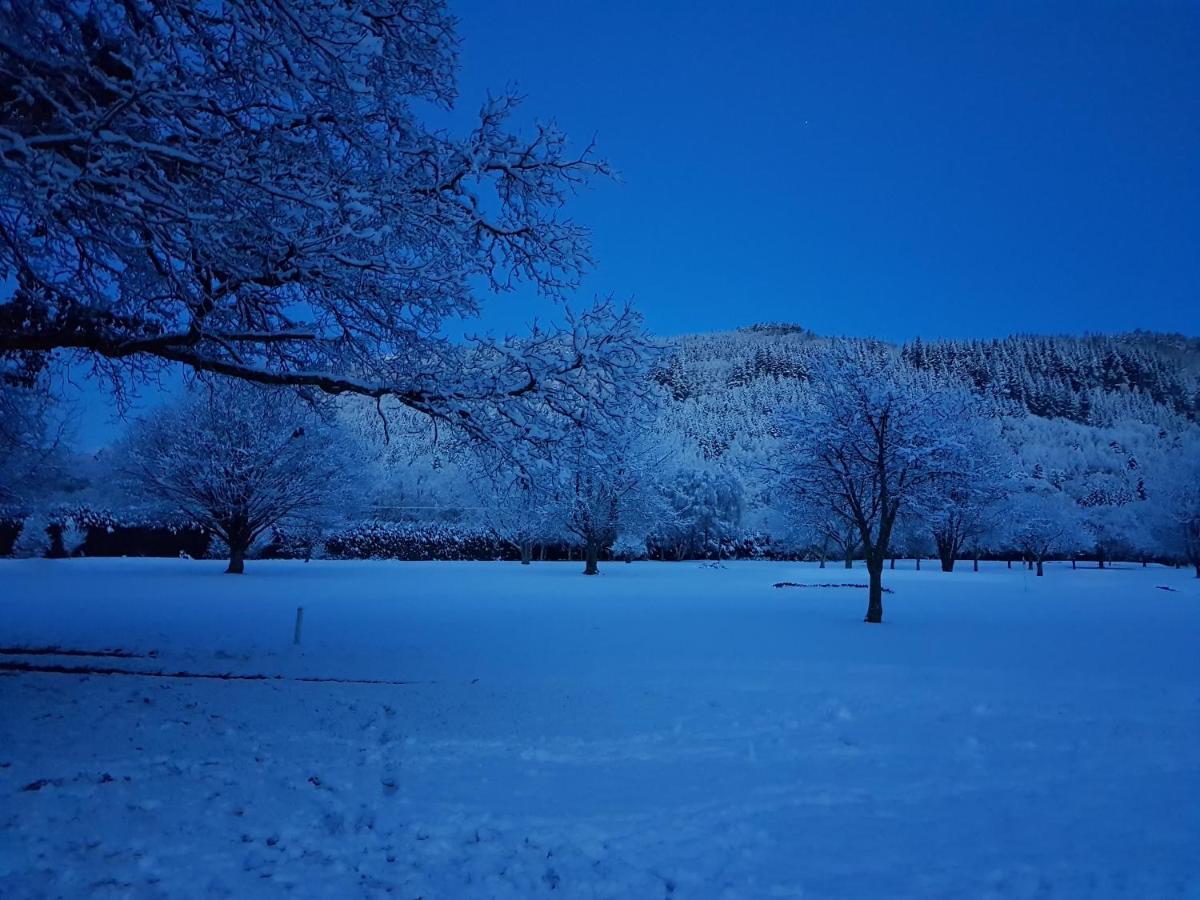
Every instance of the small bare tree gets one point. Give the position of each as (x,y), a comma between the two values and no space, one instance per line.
(821,528)
(517,512)
(606,486)
(1044,520)
(239,459)
(965,503)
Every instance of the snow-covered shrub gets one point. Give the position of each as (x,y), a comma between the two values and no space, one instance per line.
(757,545)
(414,541)
(33,541)
(137,532)
(305,541)
(629,547)
(662,545)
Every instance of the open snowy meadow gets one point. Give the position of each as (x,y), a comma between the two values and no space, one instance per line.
(664,730)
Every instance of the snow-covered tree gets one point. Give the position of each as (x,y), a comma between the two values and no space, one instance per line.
(247,188)
(629,547)
(240,459)
(912,539)
(1102,469)
(591,503)
(606,483)
(963,504)
(517,511)
(1113,501)
(34,539)
(31,449)
(824,532)
(1119,528)
(872,439)
(1044,521)
(703,503)
(1175,497)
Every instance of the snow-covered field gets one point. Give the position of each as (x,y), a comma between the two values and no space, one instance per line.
(664,730)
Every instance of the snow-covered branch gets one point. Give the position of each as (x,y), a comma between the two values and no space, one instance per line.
(247,190)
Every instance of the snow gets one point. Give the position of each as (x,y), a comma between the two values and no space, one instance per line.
(663,730)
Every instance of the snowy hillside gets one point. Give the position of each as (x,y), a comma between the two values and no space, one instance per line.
(666,730)
(731,385)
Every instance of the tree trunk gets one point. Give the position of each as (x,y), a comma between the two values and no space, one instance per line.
(1029,563)
(918,564)
(892,564)
(822,565)
(849,559)
(945,551)
(1040,570)
(975,560)
(526,553)
(1073,566)
(592,558)
(237,560)
(875,595)
(1010,563)
(238,536)
(1100,556)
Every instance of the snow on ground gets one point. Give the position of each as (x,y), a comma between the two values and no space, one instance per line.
(664,730)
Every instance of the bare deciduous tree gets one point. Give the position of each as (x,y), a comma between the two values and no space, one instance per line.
(605,484)
(518,512)
(964,504)
(1044,520)
(239,459)
(1175,491)
(872,439)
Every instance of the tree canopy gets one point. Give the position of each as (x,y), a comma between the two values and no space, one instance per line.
(251,188)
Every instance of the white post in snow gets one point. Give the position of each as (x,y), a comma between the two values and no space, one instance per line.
(299,623)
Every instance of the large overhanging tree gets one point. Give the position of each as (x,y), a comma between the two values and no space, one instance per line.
(247,188)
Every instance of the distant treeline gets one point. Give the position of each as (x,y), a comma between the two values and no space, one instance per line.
(91,534)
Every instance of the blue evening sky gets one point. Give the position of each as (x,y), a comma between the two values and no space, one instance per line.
(889,169)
